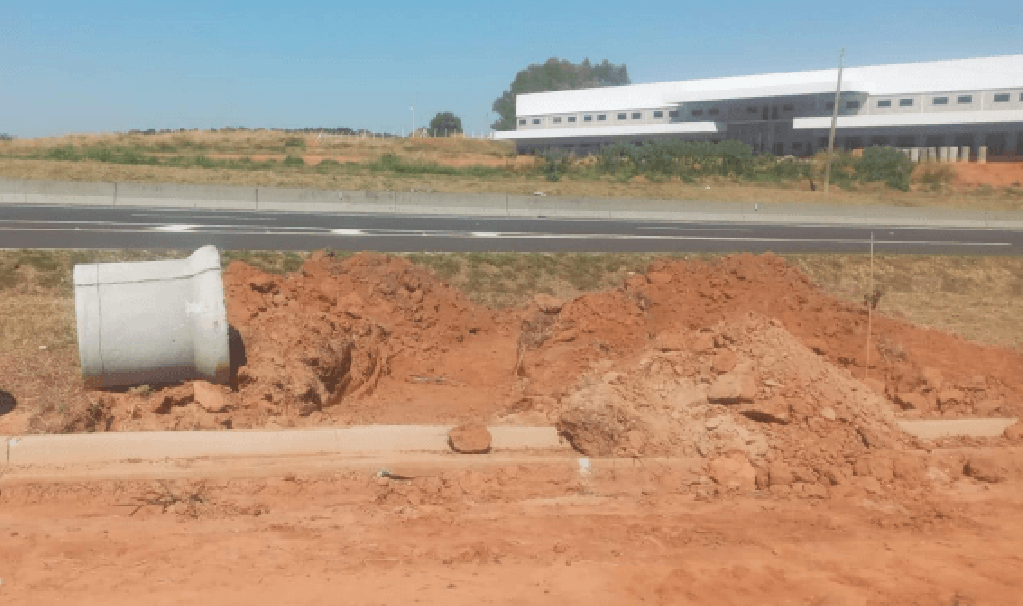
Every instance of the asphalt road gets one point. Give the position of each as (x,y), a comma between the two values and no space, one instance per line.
(148,228)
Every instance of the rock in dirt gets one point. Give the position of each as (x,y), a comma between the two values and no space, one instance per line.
(724,361)
(773,410)
(951,397)
(736,388)
(911,401)
(1015,432)
(591,432)
(986,468)
(470,438)
(931,378)
(209,397)
(733,471)
(548,304)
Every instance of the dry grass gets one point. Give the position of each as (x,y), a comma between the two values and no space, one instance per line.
(980,298)
(501,171)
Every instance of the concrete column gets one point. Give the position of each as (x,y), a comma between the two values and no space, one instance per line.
(964,152)
(982,155)
(914,155)
(953,154)
(943,154)
(932,154)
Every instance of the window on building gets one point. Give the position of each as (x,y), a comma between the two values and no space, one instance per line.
(713,111)
(852,104)
(697,112)
(884,102)
(1021,96)
(1002,98)
(587,118)
(557,120)
(822,142)
(621,116)
(751,110)
(964,99)
(658,114)
(797,146)
(571,118)
(905,103)
(637,115)
(673,113)
(601,117)
(787,108)
(536,120)
(939,101)
(522,122)
(830,105)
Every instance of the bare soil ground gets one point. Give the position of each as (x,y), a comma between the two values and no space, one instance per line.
(520,534)
(378,339)
(741,434)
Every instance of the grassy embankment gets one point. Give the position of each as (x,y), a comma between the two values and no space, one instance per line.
(452,165)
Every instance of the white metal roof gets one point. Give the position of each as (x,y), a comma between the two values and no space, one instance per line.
(975,117)
(611,131)
(980,73)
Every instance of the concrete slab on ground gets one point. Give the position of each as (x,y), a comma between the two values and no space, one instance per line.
(972,428)
(156,445)
(69,449)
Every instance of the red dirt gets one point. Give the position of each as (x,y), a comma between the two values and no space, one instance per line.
(523,534)
(796,487)
(996,174)
(374,339)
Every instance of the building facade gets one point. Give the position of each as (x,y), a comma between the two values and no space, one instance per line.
(964,103)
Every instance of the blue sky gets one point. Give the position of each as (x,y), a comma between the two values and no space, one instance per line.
(104,66)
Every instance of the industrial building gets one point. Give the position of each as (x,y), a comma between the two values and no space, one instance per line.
(966,103)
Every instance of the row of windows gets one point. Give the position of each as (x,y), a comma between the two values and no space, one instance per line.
(696,113)
(603,117)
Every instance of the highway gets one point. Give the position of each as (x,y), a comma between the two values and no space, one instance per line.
(35,226)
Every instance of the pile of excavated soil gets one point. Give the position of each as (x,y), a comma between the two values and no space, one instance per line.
(761,406)
(375,339)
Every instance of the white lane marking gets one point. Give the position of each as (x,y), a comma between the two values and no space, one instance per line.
(524,236)
(201,216)
(175,227)
(697,228)
(485,234)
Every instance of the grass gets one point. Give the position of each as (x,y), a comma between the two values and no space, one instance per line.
(445,165)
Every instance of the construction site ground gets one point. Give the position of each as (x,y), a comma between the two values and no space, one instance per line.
(733,432)
(630,532)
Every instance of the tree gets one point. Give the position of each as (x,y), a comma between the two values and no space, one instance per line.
(445,123)
(556,74)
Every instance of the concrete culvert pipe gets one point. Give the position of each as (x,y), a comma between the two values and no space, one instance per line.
(152,322)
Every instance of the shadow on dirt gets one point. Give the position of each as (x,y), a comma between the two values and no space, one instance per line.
(7,402)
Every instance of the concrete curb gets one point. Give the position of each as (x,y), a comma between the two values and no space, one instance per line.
(222,197)
(971,428)
(67,449)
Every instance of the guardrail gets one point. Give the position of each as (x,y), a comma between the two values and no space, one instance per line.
(177,195)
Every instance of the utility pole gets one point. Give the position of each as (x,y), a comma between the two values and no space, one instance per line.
(413,133)
(834,125)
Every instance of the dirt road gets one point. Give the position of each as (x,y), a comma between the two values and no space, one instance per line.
(520,534)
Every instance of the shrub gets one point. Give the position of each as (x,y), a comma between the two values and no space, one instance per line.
(883,163)
(294,161)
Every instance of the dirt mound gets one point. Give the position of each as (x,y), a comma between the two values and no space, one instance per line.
(375,339)
(746,386)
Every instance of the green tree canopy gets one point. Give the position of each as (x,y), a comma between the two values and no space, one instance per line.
(445,123)
(556,74)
